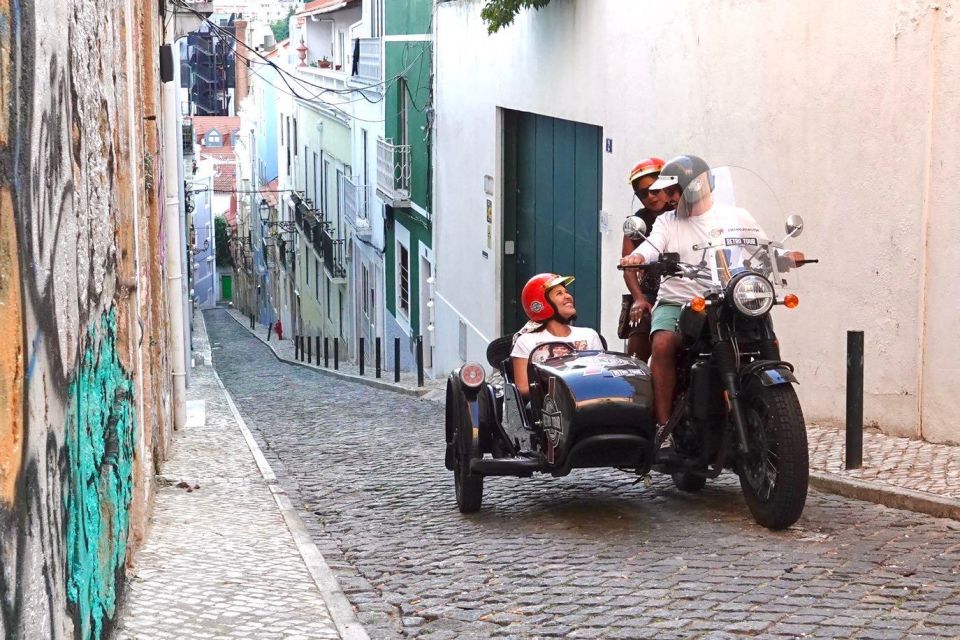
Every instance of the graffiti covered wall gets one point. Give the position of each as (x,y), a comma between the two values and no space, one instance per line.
(84,379)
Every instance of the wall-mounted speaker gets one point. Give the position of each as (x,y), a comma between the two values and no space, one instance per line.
(166,63)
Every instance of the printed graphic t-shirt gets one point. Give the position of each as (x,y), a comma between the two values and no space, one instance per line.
(580,338)
(673,234)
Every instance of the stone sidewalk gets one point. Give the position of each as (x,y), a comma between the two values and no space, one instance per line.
(219,519)
(897,472)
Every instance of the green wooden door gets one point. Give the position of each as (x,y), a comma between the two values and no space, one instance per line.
(552,176)
(226,287)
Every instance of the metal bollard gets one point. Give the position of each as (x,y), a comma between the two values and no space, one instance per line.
(317,338)
(269,330)
(326,352)
(309,350)
(336,354)
(396,359)
(378,357)
(253,324)
(361,356)
(854,399)
(300,340)
(419,361)
(296,347)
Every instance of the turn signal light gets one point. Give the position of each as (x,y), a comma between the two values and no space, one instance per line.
(790,301)
(698,304)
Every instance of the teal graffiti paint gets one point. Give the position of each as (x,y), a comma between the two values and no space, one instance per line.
(100,441)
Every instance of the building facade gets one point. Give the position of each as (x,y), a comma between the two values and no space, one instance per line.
(573,94)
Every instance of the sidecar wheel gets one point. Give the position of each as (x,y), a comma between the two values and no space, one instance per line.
(689,482)
(775,476)
(468,486)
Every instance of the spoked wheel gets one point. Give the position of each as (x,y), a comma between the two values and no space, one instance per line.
(468,486)
(774,476)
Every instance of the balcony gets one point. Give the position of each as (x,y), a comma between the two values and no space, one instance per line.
(393,172)
(354,201)
(333,261)
(369,64)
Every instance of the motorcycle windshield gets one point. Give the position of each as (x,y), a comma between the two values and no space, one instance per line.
(735,210)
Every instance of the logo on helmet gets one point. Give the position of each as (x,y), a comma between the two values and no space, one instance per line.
(536,307)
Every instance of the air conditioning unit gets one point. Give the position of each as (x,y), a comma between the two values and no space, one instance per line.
(362,228)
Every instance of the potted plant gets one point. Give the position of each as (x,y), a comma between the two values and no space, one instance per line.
(324,64)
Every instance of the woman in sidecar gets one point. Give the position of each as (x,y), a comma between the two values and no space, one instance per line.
(564,402)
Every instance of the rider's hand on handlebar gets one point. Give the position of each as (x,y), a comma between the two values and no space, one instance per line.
(631,260)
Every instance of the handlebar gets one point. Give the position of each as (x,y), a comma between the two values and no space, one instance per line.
(800,263)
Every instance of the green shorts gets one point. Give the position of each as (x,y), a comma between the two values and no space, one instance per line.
(665,316)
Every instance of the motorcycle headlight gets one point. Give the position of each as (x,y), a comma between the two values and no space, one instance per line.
(753,296)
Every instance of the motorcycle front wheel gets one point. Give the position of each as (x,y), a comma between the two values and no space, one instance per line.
(775,474)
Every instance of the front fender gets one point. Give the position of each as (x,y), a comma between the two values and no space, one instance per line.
(769,373)
(462,404)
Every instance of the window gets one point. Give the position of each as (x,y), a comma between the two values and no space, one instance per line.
(329,305)
(365,279)
(339,203)
(306,267)
(340,312)
(213,139)
(366,174)
(402,97)
(316,203)
(294,145)
(403,270)
(288,145)
(316,280)
(376,30)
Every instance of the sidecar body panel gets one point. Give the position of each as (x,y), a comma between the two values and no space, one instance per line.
(595,409)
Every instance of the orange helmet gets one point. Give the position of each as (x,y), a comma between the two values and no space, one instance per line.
(645,167)
(534,295)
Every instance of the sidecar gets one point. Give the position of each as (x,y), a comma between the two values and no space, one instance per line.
(586,409)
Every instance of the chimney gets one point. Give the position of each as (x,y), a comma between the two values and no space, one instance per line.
(242,72)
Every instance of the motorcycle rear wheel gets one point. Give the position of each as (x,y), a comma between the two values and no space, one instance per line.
(774,477)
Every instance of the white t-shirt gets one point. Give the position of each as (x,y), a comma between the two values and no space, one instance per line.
(580,338)
(675,235)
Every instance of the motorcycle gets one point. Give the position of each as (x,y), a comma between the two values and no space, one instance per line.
(734,404)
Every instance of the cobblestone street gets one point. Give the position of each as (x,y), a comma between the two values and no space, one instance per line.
(595,554)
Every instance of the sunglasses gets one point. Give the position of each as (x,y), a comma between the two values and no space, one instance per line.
(645,193)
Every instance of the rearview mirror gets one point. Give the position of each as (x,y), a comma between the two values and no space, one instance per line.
(635,228)
(794,226)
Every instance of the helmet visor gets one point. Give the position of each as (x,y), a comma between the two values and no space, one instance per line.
(556,281)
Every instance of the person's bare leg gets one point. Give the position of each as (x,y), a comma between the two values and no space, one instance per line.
(664,373)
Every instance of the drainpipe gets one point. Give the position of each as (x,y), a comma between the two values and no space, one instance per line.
(173,233)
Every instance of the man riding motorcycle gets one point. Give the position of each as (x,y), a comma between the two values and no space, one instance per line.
(687,180)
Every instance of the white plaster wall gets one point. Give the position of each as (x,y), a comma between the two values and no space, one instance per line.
(830,102)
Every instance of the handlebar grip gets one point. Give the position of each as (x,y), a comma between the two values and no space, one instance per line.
(803,262)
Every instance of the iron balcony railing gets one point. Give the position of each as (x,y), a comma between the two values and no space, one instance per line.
(333,260)
(354,201)
(393,172)
(369,64)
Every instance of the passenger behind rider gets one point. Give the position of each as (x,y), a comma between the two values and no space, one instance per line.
(643,288)
(549,306)
(688,181)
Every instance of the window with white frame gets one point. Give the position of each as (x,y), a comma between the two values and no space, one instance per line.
(365,279)
(316,280)
(403,273)
(214,139)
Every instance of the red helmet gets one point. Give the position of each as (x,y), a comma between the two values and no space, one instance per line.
(534,295)
(645,167)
